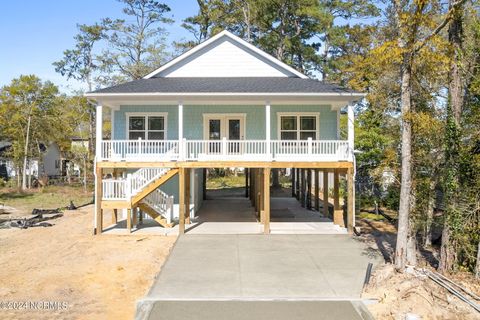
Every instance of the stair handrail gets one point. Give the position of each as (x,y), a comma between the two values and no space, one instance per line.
(162,203)
(141,178)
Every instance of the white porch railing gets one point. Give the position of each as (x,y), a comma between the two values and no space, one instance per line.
(162,203)
(124,189)
(310,150)
(224,150)
(142,177)
(204,150)
(114,189)
(133,150)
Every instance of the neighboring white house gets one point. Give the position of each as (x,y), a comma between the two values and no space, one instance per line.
(50,165)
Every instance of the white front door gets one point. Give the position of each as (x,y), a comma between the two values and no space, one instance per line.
(226,126)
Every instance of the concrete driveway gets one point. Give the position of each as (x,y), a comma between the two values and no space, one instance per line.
(321,273)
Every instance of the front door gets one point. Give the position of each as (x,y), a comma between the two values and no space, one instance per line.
(226,126)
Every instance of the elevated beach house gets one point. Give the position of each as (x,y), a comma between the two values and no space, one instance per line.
(224,103)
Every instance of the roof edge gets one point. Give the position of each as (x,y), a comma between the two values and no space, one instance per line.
(226,94)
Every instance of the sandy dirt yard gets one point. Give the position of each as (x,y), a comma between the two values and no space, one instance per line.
(411,293)
(98,277)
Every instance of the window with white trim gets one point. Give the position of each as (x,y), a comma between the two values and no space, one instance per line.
(298,127)
(146,127)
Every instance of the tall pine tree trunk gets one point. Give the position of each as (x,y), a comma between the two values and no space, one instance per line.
(85,174)
(403,234)
(456,99)
(25,155)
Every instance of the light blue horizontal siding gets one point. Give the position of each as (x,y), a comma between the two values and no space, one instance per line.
(254,123)
(171,188)
(254,126)
(120,119)
(328,119)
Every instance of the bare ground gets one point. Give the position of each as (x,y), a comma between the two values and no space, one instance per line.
(399,294)
(99,277)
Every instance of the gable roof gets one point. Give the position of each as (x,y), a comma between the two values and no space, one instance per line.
(220,85)
(240,48)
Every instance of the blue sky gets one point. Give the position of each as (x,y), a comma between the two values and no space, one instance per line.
(35,33)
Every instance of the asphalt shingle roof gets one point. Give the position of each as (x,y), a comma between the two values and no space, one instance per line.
(226,85)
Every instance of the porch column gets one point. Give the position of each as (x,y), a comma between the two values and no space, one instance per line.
(351,171)
(325,193)
(267,128)
(309,189)
(266,200)
(350,201)
(180,130)
(98,215)
(351,131)
(181,200)
(129,220)
(302,188)
(187,194)
(317,190)
(297,184)
(245,171)
(204,183)
(337,212)
(98,133)
(135,216)
(115,176)
(293,171)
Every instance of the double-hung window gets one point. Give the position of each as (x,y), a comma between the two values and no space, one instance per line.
(298,126)
(147,127)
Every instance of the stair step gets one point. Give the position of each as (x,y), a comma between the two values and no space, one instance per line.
(154,215)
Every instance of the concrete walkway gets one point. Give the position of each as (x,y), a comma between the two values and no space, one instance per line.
(249,268)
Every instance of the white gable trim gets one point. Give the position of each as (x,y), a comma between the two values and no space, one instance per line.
(236,39)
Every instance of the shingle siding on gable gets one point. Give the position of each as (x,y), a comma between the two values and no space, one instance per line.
(225,58)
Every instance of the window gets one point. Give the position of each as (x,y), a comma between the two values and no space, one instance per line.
(298,126)
(147,127)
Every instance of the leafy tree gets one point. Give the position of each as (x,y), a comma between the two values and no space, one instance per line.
(81,63)
(29,109)
(76,117)
(208,21)
(292,31)
(462,218)
(341,40)
(401,65)
(136,45)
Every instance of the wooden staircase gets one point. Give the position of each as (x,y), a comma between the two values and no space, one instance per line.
(140,190)
(149,188)
(154,215)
